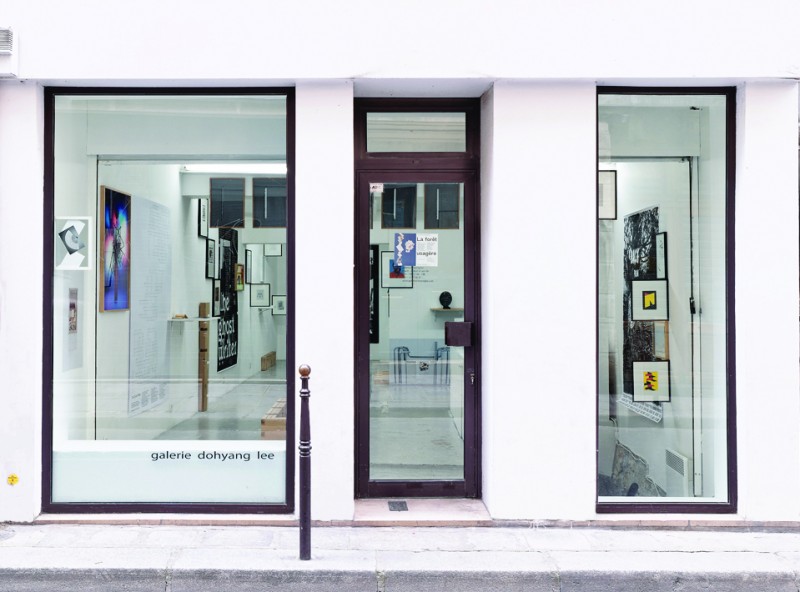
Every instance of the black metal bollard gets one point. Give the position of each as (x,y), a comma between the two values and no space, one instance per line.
(305,465)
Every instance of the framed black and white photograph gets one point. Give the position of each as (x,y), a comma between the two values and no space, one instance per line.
(216,290)
(607,195)
(269,202)
(395,276)
(259,295)
(211,258)
(649,300)
(202,217)
(661,255)
(273,249)
(248,266)
(278,305)
(651,382)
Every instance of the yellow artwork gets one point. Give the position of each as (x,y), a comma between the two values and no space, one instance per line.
(650,381)
(648,300)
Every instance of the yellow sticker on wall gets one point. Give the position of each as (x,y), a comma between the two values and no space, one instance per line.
(12,479)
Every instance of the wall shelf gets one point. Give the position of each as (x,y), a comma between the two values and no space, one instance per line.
(447,309)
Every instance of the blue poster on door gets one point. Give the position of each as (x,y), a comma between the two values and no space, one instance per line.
(405,248)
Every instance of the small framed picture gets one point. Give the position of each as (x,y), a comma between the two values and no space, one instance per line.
(239,277)
(651,382)
(395,276)
(650,300)
(259,295)
(248,266)
(211,258)
(278,305)
(607,195)
(215,298)
(202,217)
(661,255)
(273,249)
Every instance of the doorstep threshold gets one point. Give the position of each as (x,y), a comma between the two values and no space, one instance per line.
(420,512)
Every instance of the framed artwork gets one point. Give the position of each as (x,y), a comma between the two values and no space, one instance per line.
(395,276)
(73,242)
(226,208)
(202,217)
(259,295)
(441,205)
(216,291)
(239,277)
(273,250)
(248,266)
(651,382)
(278,305)
(399,206)
(211,258)
(649,300)
(661,340)
(269,202)
(661,255)
(607,195)
(115,250)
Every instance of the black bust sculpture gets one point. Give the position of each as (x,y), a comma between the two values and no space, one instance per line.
(445,298)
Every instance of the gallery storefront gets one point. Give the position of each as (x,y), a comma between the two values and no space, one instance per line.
(570,299)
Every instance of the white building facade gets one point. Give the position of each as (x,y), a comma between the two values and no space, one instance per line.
(599,319)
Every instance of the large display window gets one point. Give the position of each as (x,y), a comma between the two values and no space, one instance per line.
(171,322)
(665,277)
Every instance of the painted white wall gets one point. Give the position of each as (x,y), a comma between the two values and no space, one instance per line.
(768,404)
(538,314)
(202,40)
(324,198)
(21,330)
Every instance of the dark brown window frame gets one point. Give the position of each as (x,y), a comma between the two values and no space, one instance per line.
(50,94)
(730,506)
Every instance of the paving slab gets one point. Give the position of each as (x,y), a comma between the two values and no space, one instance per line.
(199,558)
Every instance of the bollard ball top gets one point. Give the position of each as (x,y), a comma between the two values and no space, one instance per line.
(305,370)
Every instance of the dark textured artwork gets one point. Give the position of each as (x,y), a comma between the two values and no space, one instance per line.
(639,263)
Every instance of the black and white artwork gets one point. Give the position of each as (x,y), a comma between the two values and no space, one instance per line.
(639,263)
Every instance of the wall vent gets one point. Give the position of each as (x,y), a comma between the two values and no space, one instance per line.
(679,474)
(6,41)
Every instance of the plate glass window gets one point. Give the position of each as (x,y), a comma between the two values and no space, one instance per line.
(169,377)
(663,301)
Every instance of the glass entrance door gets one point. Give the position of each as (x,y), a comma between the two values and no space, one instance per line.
(416,364)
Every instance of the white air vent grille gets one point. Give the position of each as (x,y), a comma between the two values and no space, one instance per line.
(6,41)
(679,474)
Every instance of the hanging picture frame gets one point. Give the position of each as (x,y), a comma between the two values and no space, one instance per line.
(651,382)
(211,258)
(273,249)
(115,250)
(395,276)
(649,300)
(248,266)
(202,217)
(239,277)
(260,295)
(661,255)
(607,195)
(278,305)
(215,298)
(226,207)
(661,340)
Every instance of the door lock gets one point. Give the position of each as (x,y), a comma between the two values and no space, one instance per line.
(471,376)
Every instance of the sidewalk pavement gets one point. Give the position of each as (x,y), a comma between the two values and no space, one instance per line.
(177,558)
